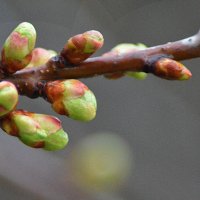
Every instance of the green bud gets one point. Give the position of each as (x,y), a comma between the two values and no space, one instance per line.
(30,132)
(21,124)
(40,56)
(16,53)
(72,98)
(35,130)
(137,75)
(125,48)
(56,138)
(80,47)
(8,97)
(83,108)
(56,141)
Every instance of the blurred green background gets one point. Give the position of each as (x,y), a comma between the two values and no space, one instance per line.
(144,143)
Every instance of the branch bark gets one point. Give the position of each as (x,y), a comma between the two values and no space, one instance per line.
(30,81)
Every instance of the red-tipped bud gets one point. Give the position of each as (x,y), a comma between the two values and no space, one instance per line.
(80,47)
(35,130)
(170,69)
(8,97)
(72,98)
(16,52)
(40,56)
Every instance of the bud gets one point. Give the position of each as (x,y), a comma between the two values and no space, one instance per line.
(127,47)
(56,138)
(8,97)
(40,56)
(16,53)
(21,124)
(121,49)
(72,98)
(56,141)
(80,47)
(137,75)
(35,130)
(170,69)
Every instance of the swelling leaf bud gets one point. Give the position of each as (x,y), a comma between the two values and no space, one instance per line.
(40,56)
(170,69)
(121,49)
(137,75)
(56,141)
(20,123)
(126,47)
(80,47)
(16,52)
(72,98)
(56,138)
(8,97)
(35,130)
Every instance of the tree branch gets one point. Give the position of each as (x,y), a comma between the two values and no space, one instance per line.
(30,81)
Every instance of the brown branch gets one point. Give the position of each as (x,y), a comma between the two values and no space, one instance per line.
(29,81)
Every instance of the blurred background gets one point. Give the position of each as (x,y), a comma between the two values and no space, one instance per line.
(145,141)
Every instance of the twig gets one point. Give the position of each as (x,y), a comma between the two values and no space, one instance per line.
(30,81)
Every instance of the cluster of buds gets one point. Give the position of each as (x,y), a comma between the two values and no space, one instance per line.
(68,97)
(163,67)
(35,130)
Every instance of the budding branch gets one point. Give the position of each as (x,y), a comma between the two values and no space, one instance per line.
(29,81)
